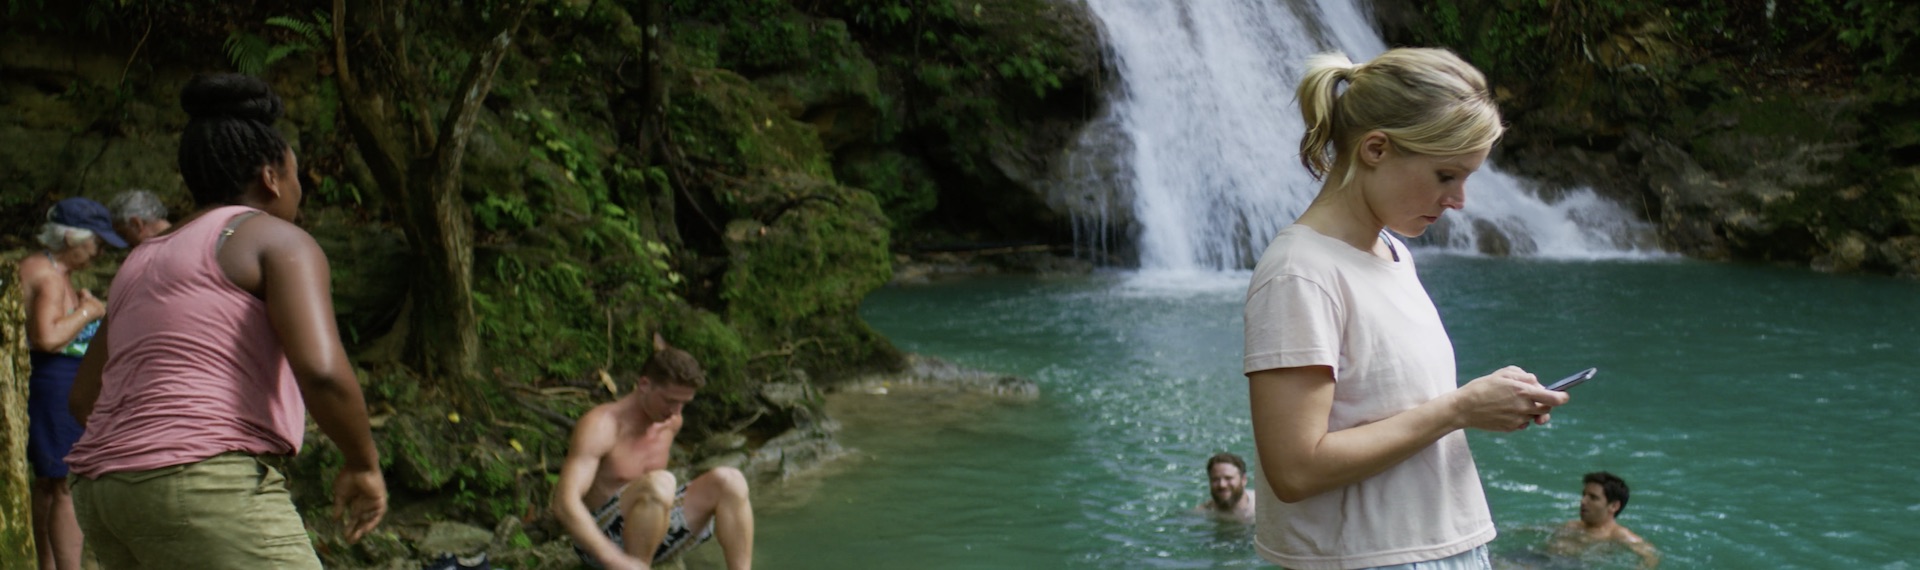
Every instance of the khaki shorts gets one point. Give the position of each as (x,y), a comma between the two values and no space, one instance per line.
(229,511)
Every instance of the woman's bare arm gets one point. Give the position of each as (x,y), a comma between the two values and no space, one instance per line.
(1301,458)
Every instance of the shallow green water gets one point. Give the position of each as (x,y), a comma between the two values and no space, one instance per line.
(1765,418)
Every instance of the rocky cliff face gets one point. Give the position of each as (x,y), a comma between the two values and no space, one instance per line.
(1744,136)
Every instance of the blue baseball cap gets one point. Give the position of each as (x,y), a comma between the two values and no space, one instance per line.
(86,214)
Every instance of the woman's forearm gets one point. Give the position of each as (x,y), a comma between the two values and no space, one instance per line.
(1302,459)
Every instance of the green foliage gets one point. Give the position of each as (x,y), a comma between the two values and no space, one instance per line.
(901,184)
(975,70)
(756,34)
(94,14)
(961,61)
(976,41)
(1517,38)
(563,159)
(1032,69)
(801,274)
(336,191)
(721,352)
(497,211)
(565,293)
(731,125)
(252,54)
(895,15)
(487,470)
(312,34)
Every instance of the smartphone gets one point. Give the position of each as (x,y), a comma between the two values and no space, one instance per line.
(1574,380)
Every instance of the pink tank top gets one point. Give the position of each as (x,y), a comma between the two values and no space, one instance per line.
(194,368)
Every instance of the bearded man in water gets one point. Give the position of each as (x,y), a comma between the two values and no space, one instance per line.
(1227,489)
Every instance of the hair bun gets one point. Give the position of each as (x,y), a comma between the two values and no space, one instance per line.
(230,95)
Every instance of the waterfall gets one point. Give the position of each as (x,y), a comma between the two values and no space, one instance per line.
(1197,158)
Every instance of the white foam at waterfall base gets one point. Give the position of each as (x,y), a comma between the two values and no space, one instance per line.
(1181,283)
(1207,105)
(1577,225)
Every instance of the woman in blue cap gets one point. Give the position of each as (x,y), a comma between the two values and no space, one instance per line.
(61,320)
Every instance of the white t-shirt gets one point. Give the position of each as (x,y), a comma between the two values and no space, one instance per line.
(1316,300)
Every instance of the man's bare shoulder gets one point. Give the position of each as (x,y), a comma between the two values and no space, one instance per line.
(594,433)
(601,413)
(1621,534)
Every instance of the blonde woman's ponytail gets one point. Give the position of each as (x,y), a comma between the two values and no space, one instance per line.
(1318,94)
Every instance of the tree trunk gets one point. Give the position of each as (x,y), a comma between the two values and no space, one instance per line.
(16,504)
(445,334)
(653,96)
(443,341)
(643,134)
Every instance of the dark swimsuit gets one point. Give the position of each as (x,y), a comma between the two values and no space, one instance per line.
(51,429)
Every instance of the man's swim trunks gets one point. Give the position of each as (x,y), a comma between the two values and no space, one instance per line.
(679,538)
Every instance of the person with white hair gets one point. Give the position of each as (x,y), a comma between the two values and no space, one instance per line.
(61,322)
(138,215)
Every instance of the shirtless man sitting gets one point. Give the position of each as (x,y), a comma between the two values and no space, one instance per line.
(615,496)
(1603,499)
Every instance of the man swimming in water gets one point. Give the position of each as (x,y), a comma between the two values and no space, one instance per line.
(615,496)
(1227,487)
(1604,497)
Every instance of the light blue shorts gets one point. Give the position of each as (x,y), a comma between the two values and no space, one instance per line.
(1476,559)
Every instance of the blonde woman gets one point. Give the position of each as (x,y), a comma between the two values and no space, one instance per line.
(1357,414)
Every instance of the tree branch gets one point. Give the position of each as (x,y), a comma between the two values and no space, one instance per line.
(365,118)
(454,130)
(340,49)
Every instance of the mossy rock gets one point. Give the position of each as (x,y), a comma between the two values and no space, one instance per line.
(836,89)
(720,118)
(902,184)
(1904,185)
(756,37)
(421,444)
(722,354)
(798,276)
(837,71)
(371,267)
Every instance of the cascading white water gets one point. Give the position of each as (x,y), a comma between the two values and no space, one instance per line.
(1203,135)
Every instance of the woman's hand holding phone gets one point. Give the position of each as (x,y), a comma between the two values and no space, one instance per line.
(1507,400)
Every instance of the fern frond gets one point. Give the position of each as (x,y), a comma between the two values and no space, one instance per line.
(279,52)
(297,25)
(324,23)
(321,28)
(248,52)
